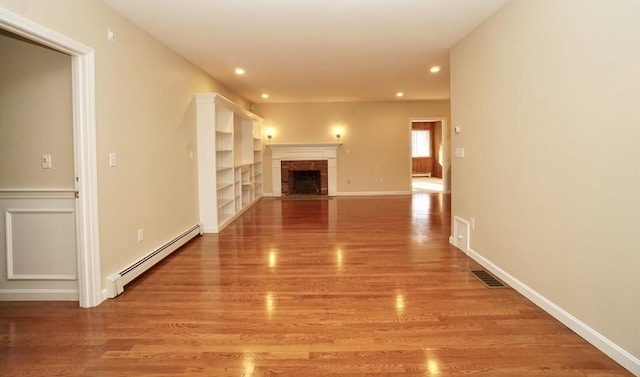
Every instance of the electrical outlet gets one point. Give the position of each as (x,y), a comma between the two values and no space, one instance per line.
(140,235)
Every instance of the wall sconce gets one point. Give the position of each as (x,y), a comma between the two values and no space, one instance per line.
(338,132)
(269,133)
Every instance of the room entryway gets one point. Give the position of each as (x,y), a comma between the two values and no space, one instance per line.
(426,184)
(427,155)
(37,187)
(84,211)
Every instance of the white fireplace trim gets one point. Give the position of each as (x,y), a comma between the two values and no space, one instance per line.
(299,152)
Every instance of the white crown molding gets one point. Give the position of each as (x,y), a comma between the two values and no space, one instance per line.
(218,99)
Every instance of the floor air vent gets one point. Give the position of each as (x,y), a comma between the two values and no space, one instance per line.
(489,280)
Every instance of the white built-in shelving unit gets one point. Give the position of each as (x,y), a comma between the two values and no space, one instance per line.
(229,160)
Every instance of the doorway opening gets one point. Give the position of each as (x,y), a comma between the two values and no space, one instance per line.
(426,184)
(84,148)
(429,167)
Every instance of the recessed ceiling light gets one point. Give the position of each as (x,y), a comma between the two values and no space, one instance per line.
(399,94)
(239,71)
(265,95)
(435,69)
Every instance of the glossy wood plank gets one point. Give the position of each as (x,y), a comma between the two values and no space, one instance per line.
(339,287)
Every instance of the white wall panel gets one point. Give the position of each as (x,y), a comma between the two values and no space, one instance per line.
(38,257)
(40,244)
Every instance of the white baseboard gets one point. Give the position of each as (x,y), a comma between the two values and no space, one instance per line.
(115,282)
(372,193)
(39,295)
(605,345)
(358,193)
(206,229)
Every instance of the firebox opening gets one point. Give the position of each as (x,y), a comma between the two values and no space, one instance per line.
(305,182)
(309,170)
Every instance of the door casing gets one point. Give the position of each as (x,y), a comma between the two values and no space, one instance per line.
(445,149)
(84,141)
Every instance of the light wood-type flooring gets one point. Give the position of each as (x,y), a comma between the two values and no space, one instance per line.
(343,287)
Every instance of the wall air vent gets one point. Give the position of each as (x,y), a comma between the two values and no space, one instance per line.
(489,280)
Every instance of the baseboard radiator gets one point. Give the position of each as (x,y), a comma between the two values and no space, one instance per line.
(117,281)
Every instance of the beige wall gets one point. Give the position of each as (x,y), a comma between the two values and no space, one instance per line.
(546,93)
(376,138)
(35,116)
(144,114)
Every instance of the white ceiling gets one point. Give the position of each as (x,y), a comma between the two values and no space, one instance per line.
(316,50)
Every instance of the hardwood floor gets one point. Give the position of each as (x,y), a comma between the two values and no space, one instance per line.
(342,287)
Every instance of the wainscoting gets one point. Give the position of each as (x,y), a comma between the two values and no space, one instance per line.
(38,258)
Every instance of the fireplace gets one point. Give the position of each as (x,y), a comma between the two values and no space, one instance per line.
(304,182)
(304,177)
(304,157)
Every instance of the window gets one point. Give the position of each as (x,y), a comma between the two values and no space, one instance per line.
(421,143)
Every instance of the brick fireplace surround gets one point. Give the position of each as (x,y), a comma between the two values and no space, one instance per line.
(287,177)
(304,157)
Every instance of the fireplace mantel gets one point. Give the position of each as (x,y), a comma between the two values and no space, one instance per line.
(304,151)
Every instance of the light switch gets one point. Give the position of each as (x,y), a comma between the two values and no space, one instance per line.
(460,152)
(113,160)
(46,161)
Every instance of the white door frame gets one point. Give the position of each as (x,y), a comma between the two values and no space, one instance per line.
(84,145)
(445,150)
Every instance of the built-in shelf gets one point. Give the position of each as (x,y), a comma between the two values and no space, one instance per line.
(229,160)
(223,202)
(222,185)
